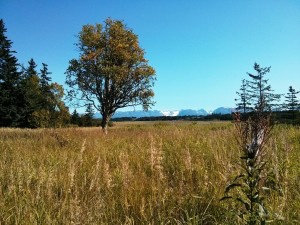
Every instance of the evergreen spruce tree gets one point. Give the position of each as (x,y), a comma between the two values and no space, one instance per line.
(75,118)
(261,95)
(27,98)
(89,115)
(45,86)
(10,78)
(52,108)
(45,78)
(243,103)
(43,105)
(247,189)
(32,94)
(292,103)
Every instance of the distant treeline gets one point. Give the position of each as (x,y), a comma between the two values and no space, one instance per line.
(286,117)
(174,118)
(29,98)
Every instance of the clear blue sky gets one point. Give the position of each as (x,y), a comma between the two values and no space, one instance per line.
(201,49)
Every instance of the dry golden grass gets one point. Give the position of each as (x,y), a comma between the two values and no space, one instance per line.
(140,173)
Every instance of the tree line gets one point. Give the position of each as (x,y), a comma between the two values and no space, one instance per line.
(257,92)
(110,73)
(28,98)
(86,119)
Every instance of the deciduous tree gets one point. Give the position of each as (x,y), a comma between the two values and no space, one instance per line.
(111,71)
(59,111)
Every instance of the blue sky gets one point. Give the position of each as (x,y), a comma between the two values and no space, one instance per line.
(200,49)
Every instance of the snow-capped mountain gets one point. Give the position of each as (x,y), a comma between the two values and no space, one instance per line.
(138,113)
(223,110)
(192,112)
(157,113)
(170,113)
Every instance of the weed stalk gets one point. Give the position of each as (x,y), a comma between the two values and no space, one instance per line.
(246,189)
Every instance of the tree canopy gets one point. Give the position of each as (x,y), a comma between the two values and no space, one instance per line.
(111,71)
(10,79)
(27,97)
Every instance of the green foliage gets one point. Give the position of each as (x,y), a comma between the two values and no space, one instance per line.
(40,118)
(287,117)
(30,88)
(88,116)
(85,120)
(111,72)
(75,117)
(10,78)
(60,115)
(261,95)
(292,106)
(244,98)
(292,103)
(27,98)
(43,101)
(45,78)
(253,131)
(247,188)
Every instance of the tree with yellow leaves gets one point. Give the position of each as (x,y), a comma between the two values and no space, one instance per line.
(111,71)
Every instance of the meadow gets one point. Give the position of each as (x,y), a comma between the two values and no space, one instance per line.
(140,173)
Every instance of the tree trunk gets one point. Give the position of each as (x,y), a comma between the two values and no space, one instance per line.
(104,123)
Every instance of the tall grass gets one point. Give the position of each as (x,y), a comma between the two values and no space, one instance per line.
(155,173)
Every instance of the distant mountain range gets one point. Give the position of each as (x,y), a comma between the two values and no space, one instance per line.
(157,113)
(223,110)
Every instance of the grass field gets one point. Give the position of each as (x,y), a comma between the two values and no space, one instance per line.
(140,173)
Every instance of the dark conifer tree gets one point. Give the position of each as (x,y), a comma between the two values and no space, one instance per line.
(89,115)
(27,98)
(75,118)
(45,85)
(261,95)
(45,78)
(243,103)
(10,78)
(32,94)
(31,69)
(292,103)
